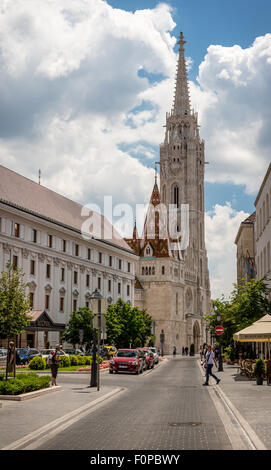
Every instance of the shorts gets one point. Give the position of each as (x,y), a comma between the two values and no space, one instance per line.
(54,369)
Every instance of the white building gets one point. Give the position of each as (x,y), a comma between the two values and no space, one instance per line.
(263,228)
(41,232)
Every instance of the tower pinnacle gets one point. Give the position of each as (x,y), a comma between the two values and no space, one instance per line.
(181,104)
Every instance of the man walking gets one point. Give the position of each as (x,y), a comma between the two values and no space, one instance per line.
(210,360)
(54,362)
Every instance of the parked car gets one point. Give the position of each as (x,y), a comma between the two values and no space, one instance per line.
(26,354)
(156,355)
(45,353)
(73,352)
(126,360)
(3,357)
(149,356)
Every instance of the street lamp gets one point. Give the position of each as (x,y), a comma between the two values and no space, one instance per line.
(162,341)
(98,310)
(220,363)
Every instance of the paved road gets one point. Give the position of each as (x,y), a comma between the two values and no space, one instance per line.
(167,408)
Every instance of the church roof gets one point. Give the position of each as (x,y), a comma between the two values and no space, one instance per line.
(25,194)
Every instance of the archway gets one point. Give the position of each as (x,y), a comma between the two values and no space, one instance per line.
(196,336)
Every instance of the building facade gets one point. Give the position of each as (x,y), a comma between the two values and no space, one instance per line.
(263,228)
(245,253)
(172,276)
(45,235)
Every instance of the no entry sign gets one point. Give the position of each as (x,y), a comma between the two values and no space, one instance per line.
(219,330)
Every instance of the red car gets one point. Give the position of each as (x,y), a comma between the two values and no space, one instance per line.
(126,360)
(149,358)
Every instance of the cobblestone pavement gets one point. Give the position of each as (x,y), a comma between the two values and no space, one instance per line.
(165,409)
(251,400)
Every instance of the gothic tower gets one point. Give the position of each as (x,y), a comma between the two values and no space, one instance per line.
(182,164)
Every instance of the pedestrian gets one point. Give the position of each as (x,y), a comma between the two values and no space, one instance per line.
(54,362)
(210,360)
(174,351)
(11,359)
(201,353)
(183,351)
(186,350)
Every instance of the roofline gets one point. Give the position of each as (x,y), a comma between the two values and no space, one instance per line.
(73,229)
(262,185)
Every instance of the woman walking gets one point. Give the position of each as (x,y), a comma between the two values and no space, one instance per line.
(54,362)
(210,360)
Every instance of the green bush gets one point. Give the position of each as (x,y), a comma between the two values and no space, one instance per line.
(88,360)
(81,360)
(74,360)
(259,368)
(37,363)
(24,383)
(64,361)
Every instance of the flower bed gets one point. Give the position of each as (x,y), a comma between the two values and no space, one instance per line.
(23,383)
(104,365)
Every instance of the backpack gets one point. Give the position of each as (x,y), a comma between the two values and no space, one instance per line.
(49,359)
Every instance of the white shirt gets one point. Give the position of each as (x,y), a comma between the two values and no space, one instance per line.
(210,357)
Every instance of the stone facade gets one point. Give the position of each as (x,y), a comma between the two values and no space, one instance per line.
(62,267)
(173,279)
(245,250)
(263,228)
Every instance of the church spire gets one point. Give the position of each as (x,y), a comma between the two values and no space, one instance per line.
(181,104)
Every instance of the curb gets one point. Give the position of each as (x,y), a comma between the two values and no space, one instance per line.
(29,395)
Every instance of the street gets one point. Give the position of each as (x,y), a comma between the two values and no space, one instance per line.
(166,408)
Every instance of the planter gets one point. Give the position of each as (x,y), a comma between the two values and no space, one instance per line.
(259,380)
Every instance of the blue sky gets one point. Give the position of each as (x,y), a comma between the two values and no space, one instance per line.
(85,86)
(204,23)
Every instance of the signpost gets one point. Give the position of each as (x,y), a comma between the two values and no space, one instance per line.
(219,330)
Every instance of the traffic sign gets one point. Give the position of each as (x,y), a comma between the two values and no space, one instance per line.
(219,330)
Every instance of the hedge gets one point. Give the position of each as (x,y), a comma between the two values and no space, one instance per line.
(24,383)
(39,363)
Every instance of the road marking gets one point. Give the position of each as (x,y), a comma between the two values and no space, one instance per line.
(58,425)
(240,433)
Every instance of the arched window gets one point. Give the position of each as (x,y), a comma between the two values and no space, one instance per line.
(153,270)
(143,271)
(176,196)
(150,270)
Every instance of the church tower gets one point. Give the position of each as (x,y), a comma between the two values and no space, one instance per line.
(182,164)
(172,278)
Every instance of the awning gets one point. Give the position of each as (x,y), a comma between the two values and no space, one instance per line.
(259,331)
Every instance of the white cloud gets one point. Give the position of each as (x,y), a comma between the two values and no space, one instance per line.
(233,97)
(221,227)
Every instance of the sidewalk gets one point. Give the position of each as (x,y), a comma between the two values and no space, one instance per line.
(19,419)
(252,401)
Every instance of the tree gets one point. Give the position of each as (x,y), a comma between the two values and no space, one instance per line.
(127,325)
(14,304)
(248,302)
(79,320)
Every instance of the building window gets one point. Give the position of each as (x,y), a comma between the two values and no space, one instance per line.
(99,283)
(153,270)
(110,260)
(129,267)
(15,262)
(64,246)
(89,253)
(49,241)
(75,277)
(62,278)
(74,305)
(31,299)
(87,304)
(163,270)
(32,266)
(100,258)
(87,280)
(34,235)
(149,270)
(61,304)
(76,250)
(17,230)
(128,290)
(47,302)
(176,196)
(119,263)
(119,287)
(143,271)
(48,271)
(109,285)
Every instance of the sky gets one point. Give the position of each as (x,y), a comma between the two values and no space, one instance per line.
(85,86)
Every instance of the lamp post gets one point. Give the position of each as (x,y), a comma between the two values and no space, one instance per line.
(206,331)
(98,310)
(162,341)
(220,363)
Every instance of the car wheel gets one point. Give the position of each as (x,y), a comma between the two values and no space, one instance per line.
(137,372)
